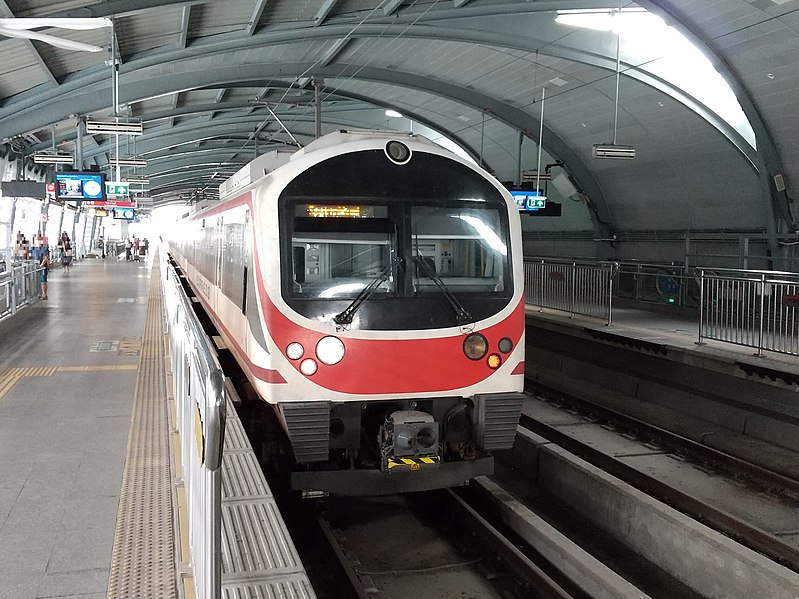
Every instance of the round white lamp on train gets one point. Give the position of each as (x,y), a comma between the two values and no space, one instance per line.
(330,350)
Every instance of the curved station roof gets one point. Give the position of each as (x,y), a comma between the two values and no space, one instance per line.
(704,91)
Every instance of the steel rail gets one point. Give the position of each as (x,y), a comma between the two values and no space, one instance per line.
(742,532)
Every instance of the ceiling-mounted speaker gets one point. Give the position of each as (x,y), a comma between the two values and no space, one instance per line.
(564,186)
(779,182)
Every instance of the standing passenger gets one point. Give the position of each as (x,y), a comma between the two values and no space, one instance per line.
(45,266)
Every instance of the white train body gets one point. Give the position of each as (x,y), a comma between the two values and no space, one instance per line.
(370,286)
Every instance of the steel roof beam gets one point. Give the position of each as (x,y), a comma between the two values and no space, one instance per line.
(390,6)
(183,27)
(323,11)
(255,17)
(334,51)
(229,107)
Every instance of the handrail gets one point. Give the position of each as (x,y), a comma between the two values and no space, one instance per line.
(753,308)
(750,308)
(576,287)
(21,287)
(200,396)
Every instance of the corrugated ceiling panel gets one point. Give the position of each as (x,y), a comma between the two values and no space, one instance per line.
(152,105)
(25,71)
(219,17)
(63,62)
(241,94)
(202,96)
(721,16)
(289,11)
(347,7)
(148,29)
(41,8)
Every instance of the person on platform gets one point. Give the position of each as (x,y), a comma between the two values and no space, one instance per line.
(45,266)
(66,251)
(128,248)
(135,248)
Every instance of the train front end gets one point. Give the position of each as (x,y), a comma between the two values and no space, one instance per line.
(394,302)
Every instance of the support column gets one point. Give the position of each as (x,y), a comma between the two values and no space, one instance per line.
(317,84)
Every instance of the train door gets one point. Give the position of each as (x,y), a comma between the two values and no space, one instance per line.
(219,242)
(246,251)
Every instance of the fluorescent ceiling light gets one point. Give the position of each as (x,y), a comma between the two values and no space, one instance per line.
(62,23)
(138,180)
(53,158)
(533,175)
(58,42)
(393,114)
(128,162)
(119,125)
(613,151)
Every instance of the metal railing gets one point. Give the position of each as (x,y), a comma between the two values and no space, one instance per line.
(571,286)
(19,287)
(758,309)
(200,392)
(659,283)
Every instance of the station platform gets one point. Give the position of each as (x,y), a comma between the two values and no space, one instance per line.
(90,494)
(661,329)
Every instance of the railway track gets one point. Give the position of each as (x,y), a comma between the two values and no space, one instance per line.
(757,479)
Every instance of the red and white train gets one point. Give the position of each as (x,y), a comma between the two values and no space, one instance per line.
(370,286)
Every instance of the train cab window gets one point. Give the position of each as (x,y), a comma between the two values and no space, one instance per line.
(337,251)
(465,249)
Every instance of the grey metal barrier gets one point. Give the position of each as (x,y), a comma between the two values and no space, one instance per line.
(753,308)
(571,286)
(19,287)
(200,401)
(657,283)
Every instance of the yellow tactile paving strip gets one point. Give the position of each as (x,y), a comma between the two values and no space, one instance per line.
(143,560)
(11,376)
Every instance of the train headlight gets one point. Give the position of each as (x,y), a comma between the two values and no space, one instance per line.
(308,367)
(494,361)
(330,350)
(398,152)
(475,346)
(294,351)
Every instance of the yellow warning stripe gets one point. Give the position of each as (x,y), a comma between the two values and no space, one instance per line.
(413,463)
(11,376)
(98,368)
(7,382)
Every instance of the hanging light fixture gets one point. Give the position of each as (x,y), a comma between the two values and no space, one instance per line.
(615,150)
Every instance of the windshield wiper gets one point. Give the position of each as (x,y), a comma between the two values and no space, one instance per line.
(345,317)
(463,315)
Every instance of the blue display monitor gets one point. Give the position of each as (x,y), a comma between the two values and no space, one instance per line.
(124,213)
(530,200)
(80,186)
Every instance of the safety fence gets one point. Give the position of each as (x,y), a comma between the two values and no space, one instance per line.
(657,283)
(758,309)
(200,393)
(575,287)
(19,287)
